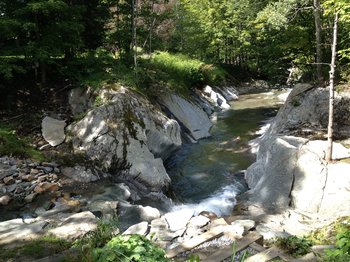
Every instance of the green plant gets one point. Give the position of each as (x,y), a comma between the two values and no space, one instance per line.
(243,256)
(341,252)
(193,258)
(129,248)
(11,144)
(294,245)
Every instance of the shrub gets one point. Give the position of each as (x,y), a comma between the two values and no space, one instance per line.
(129,248)
(294,245)
(342,248)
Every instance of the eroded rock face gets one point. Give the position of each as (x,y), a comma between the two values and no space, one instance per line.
(290,171)
(128,133)
(191,116)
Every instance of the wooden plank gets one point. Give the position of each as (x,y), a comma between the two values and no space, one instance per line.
(266,255)
(257,247)
(240,244)
(196,241)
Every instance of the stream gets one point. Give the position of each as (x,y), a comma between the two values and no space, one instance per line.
(208,175)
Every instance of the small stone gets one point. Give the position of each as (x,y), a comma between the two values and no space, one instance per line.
(4,200)
(9,180)
(34,171)
(30,198)
(27,178)
(47,164)
(56,170)
(45,186)
(19,190)
(11,188)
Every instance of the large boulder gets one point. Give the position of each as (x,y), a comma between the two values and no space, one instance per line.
(80,100)
(191,116)
(128,134)
(290,172)
(307,108)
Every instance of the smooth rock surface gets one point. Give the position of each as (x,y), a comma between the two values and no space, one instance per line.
(139,229)
(195,120)
(178,219)
(75,226)
(53,130)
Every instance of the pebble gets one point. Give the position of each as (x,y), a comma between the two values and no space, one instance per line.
(24,179)
(4,200)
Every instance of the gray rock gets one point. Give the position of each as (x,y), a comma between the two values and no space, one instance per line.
(178,219)
(132,214)
(138,229)
(307,107)
(128,137)
(80,99)
(80,174)
(269,233)
(107,208)
(195,120)
(75,226)
(271,176)
(7,170)
(53,130)
(29,198)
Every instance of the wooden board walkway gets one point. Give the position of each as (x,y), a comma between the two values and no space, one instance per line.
(240,245)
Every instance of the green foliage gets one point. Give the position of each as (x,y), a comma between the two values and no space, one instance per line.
(11,144)
(342,248)
(294,245)
(129,248)
(327,235)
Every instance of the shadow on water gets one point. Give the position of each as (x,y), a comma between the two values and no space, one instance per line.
(208,170)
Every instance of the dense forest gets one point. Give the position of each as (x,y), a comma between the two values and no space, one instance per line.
(50,42)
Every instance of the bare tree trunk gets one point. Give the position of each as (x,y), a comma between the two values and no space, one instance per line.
(133,41)
(318,26)
(331,92)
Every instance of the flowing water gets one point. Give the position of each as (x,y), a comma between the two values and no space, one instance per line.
(207,176)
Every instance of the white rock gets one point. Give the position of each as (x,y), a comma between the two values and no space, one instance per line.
(179,219)
(25,232)
(9,224)
(199,221)
(76,226)
(53,130)
(216,98)
(138,229)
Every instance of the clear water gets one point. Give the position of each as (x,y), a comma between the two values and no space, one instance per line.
(204,175)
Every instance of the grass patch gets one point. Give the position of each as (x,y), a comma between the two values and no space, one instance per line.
(11,144)
(36,249)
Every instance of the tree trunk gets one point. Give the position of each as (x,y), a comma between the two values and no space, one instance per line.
(133,40)
(318,26)
(331,92)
